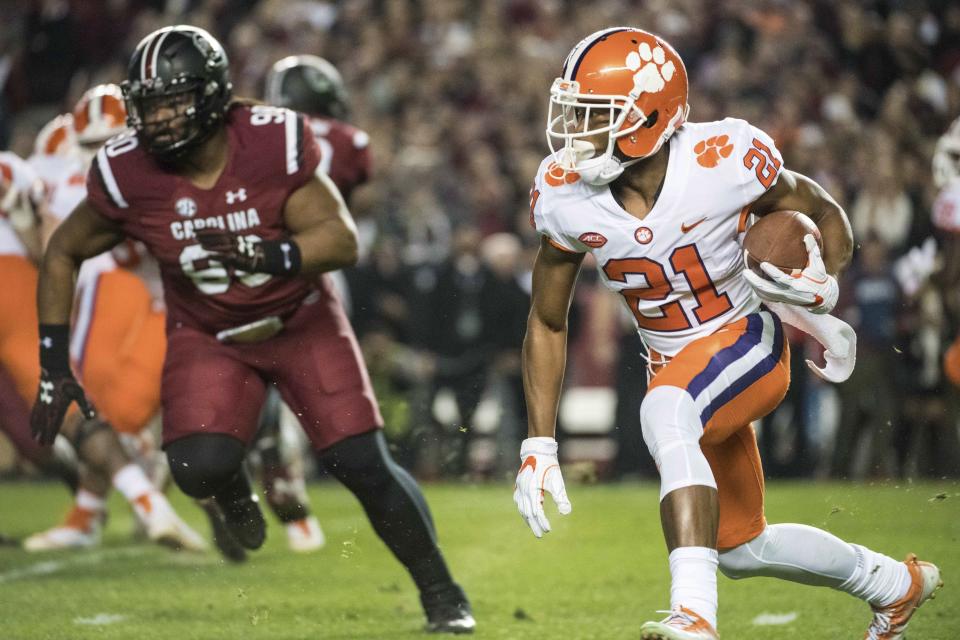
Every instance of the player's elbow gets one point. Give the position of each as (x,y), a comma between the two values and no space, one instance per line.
(349,248)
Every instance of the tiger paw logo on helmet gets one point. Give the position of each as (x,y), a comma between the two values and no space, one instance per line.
(651,69)
(557,176)
(712,150)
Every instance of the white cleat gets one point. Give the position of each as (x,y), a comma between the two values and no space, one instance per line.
(305,535)
(164,526)
(681,624)
(80,530)
(890,622)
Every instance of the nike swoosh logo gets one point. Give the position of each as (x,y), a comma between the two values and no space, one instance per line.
(684,228)
(529,462)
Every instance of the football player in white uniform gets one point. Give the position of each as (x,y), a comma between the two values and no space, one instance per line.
(946,218)
(661,204)
(117,344)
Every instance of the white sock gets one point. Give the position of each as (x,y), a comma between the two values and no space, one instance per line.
(878,579)
(132,482)
(90,501)
(793,552)
(693,584)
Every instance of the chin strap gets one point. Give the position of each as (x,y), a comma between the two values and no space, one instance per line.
(603,170)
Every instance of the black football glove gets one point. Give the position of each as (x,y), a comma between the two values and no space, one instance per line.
(53,399)
(276,257)
(58,387)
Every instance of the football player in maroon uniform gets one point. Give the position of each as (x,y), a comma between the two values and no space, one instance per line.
(314,87)
(229,200)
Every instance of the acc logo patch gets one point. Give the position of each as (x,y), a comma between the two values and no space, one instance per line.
(186,207)
(643,235)
(593,239)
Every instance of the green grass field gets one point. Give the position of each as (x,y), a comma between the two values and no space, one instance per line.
(600,574)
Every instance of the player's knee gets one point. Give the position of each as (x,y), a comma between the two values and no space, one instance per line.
(745,560)
(668,416)
(203,463)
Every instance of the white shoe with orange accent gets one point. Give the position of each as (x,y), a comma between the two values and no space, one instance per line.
(890,622)
(163,524)
(79,530)
(681,624)
(305,535)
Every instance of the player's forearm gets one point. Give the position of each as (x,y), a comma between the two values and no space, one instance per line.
(58,271)
(833,223)
(327,247)
(544,362)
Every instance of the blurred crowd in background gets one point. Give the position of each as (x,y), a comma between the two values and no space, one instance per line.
(454,93)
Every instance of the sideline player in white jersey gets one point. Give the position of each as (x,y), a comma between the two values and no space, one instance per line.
(946,219)
(661,203)
(118,342)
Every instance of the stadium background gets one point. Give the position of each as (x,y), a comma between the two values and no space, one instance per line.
(453,94)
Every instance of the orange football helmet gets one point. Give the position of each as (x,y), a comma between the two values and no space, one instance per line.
(56,138)
(99,115)
(638,79)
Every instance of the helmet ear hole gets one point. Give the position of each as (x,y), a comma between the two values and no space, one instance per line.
(651,120)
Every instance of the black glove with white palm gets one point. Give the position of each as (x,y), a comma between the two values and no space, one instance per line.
(812,288)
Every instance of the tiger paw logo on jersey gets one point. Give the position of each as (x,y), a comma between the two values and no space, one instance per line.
(557,176)
(651,69)
(712,150)
(643,235)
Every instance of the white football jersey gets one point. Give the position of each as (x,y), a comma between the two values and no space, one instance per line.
(679,268)
(66,190)
(17,172)
(946,208)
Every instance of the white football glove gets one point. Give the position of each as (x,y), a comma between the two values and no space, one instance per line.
(812,288)
(539,473)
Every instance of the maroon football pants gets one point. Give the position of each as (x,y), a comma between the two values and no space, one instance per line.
(315,362)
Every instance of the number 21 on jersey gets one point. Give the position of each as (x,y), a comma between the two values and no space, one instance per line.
(685,261)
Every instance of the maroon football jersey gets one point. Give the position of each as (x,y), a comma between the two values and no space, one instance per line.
(272,152)
(344,153)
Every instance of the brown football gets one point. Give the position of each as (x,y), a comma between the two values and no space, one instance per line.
(777,238)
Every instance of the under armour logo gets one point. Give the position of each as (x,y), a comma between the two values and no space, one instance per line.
(236,196)
(45,388)
(46,342)
(245,247)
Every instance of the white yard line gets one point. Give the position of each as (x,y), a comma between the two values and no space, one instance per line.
(774,619)
(101,619)
(48,567)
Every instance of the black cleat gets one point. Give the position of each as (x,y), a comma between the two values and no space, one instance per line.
(244,520)
(448,610)
(229,547)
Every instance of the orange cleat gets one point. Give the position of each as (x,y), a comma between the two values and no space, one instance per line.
(79,530)
(890,622)
(681,624)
